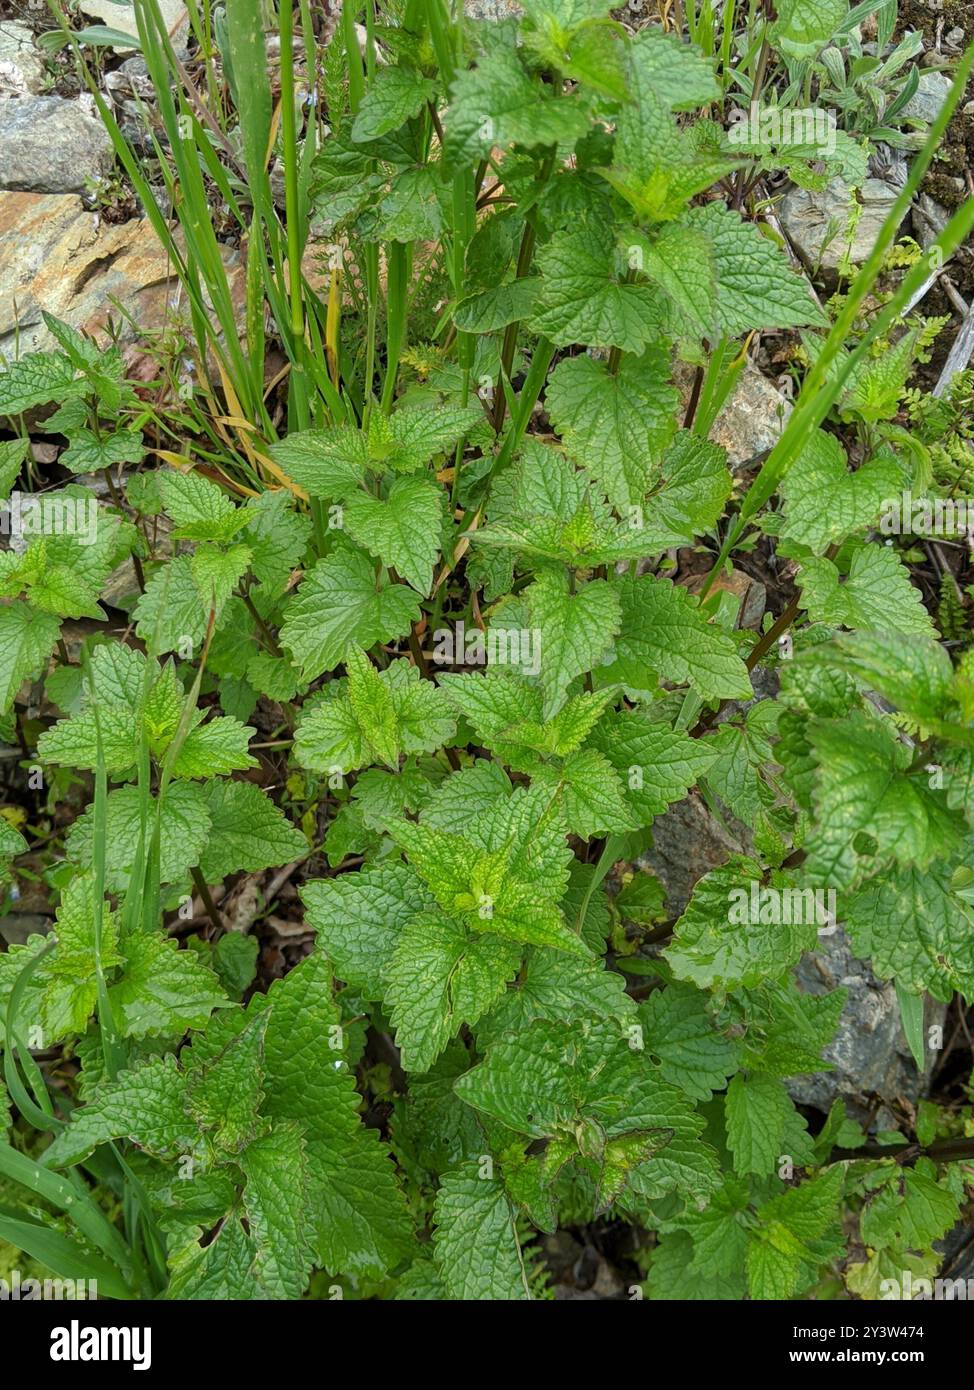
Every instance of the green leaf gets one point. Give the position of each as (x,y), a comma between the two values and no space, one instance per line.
(875,594)
(912,927)
(763,1126)
(342,603)
(679,73)
(909,1212)
(89,452)
(70,987)
(693,1053)
(497,103)
(505,876)
(554,985)
(162,990)
(805,26)
(824,503)
(184,830)
(584,298)
(359,917)
(439,977)
(360,1219)
(376,716)
(583,1083)
(864,787)
(665,636)
(720,943)
(13,453)
(247,831)
(27,639)
(756,287)
(403,531)
(475,1241)
(914,673)
(144,1105)
(36,379)
(394,96)
(334,462)
(214,749)
(575,630)
(657,765)
(275,1200)
(615,426)
(224,1095)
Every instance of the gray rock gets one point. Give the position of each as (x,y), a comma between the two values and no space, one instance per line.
(870,1055)
(929,219)
(21,66)
(688,841)
(752,418)
(121,17)
(51,145)
(926,102)
(492,9)
(816,222)
(16,927)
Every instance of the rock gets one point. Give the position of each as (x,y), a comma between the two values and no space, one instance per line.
(816,222)
(929,219)
(121,16)
(870,1055)
(57,256)
(688,841)
(21,65)
(492,9)
(926,102)
(750,593)
(752,418)
(16,927)
(51,145)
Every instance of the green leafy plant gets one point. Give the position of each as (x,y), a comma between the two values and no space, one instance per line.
(427,654)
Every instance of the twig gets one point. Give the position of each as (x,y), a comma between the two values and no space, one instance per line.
(201,886)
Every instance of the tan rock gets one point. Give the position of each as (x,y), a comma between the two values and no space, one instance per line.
(57,256)
(752,418)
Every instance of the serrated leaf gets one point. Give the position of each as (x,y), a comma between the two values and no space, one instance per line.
(145,1105)
(185,826)
(713,947)
(584,297)
(359,917)
(403,531)
(342,603)
(360,1218)
(575,630)
(162,990)
(275,1200)
(664,634)
(439,977)
(247,831)
(824,502)
(615,425)
(394,96)
(27,639)
(475,1241)
(875,594)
